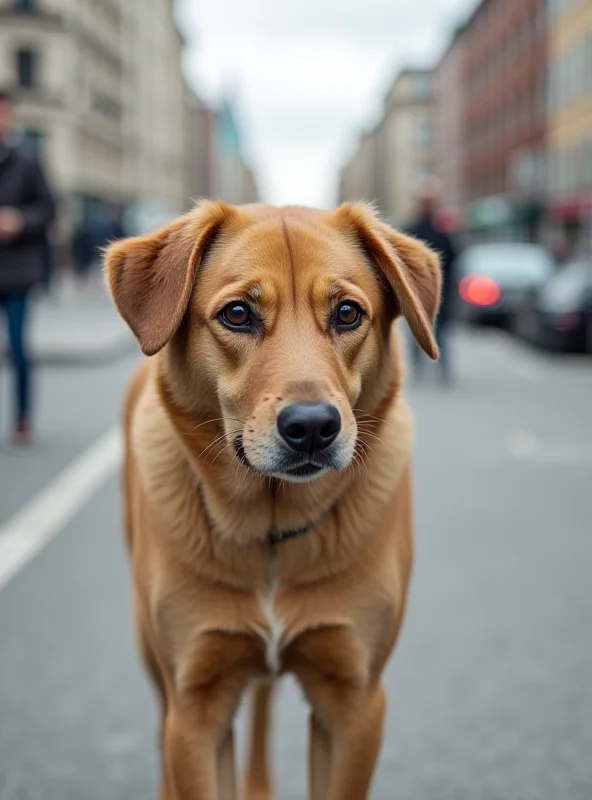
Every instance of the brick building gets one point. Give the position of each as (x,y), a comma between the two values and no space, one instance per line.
(448,116)
(504,115)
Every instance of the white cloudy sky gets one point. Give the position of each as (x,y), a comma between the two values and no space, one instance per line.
(309,74)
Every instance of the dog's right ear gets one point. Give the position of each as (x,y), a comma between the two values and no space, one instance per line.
(151,277)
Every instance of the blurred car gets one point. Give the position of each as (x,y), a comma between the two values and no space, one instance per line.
(558,316)
(494,279)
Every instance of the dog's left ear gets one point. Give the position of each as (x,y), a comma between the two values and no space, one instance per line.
(151,277)
(411,269)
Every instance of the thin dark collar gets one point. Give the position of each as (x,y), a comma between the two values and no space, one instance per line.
(277,537)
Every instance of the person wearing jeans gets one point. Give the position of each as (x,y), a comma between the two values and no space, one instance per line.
(26,208)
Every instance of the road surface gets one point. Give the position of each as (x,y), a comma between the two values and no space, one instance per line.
(491,685)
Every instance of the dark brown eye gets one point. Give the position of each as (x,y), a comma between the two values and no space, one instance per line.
(348,316)
(236,316)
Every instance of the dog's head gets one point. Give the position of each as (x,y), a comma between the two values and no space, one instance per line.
(276,322)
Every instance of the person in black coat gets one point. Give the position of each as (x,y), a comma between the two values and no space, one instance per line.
(427,228)
(26,208)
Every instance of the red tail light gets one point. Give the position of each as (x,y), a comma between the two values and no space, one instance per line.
(479,290)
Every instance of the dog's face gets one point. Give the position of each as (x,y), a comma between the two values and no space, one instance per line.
(278,320)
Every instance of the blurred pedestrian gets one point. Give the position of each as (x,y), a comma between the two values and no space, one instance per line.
(429,229)
(26,208)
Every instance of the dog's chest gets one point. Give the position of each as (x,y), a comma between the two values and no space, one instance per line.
(272,628)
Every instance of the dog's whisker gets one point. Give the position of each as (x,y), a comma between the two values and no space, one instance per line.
(217,440)
(371,416)
(217,419)
(373,435)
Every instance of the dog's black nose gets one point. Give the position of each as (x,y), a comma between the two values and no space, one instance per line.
(309,427)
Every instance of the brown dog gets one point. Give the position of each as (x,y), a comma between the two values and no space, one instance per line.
(267,478)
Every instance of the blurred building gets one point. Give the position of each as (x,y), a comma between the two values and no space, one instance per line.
(232,178)
(570,119)
(216,165)
(503,122)
(448,132)
(64,61)
(100,92)
(358,177)
(408,132)
(393,159)
(153,101)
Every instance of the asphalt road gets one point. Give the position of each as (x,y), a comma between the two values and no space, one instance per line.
(491,685)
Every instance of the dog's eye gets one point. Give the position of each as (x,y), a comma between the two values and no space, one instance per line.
(236,316)
(348,316)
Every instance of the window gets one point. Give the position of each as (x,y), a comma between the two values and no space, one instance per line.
(26,68)
(422,132)
(422,87)
(34,139)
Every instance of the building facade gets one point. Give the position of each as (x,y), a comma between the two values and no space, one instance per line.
(392,160)
(408,122)
(100,92)
(503,101)
(63,61)
(357,178)
(448,119)
(569,183)
(154,102)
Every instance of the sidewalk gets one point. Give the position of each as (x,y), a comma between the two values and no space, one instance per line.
(75,326)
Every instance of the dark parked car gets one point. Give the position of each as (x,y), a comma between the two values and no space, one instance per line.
(494,279)
(558,316)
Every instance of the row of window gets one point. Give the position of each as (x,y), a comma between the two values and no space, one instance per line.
(519,115)
(570,74)
(492,65)
(27,68)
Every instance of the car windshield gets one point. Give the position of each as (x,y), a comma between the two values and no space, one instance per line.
(508,263)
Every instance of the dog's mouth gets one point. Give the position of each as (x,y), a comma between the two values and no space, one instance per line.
(307,470)
(283,469)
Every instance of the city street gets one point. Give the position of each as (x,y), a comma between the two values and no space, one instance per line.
(491,685)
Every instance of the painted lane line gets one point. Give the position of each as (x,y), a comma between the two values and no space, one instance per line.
(26,533)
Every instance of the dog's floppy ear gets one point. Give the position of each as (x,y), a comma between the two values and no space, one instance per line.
(411,269)
(151,277)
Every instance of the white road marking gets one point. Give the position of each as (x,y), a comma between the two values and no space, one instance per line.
(527,447)
(25,534)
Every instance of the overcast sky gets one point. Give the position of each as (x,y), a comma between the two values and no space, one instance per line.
(309,75)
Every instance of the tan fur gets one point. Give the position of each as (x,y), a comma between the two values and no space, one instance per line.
(217,608)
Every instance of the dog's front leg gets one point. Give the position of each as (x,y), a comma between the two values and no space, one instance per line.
(199,751)
(346,736)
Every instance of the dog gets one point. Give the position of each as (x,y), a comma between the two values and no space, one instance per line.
(267,478)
